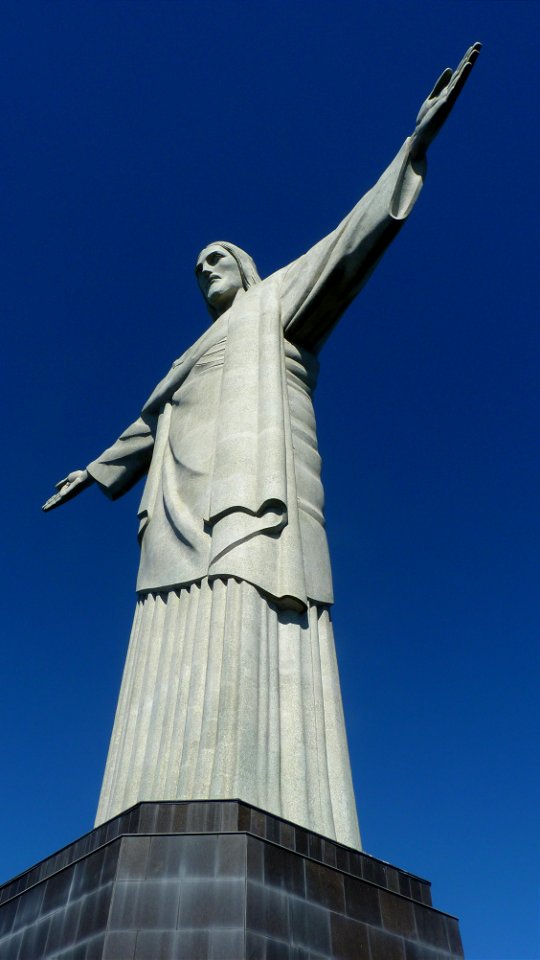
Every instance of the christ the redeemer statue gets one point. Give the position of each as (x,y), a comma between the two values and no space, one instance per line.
(231,686)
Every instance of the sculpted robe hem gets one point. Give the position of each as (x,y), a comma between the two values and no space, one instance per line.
(226,695)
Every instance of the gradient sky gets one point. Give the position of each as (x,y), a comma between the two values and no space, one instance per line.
(135,134)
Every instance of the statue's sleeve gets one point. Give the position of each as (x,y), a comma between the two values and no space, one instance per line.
(120,466)
(320,285)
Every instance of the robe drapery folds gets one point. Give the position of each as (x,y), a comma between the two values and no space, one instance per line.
(239,698)
(233,484)
(234,581)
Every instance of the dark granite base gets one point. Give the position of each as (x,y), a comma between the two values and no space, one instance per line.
(220,880)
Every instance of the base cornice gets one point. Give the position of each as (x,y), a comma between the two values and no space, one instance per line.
(195,880)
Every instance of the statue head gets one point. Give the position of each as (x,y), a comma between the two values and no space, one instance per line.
(222,269)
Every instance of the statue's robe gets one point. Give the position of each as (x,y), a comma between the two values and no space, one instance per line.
(231,686)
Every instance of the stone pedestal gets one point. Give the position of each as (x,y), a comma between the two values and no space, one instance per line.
(221,880)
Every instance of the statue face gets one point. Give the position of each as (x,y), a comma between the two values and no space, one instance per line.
(218,276)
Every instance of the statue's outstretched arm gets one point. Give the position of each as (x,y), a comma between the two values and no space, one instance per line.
(317,288)
(117,469)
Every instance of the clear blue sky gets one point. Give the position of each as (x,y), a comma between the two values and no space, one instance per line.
(137,132)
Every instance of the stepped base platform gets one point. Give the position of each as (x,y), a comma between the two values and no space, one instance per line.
(218,880)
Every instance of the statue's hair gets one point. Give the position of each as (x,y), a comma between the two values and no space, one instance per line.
(246,265)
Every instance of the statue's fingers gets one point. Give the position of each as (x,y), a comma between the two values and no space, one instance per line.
(442,82)
(457,85)
(52,502)
(61,483)
(475,48)
(465,65)
(474,53)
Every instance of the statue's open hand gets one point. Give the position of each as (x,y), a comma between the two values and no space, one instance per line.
(435,110)
(69,487)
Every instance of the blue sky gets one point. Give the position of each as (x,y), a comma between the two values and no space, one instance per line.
(138,132)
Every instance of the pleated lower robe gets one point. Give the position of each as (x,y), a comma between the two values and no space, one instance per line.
(225,695)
